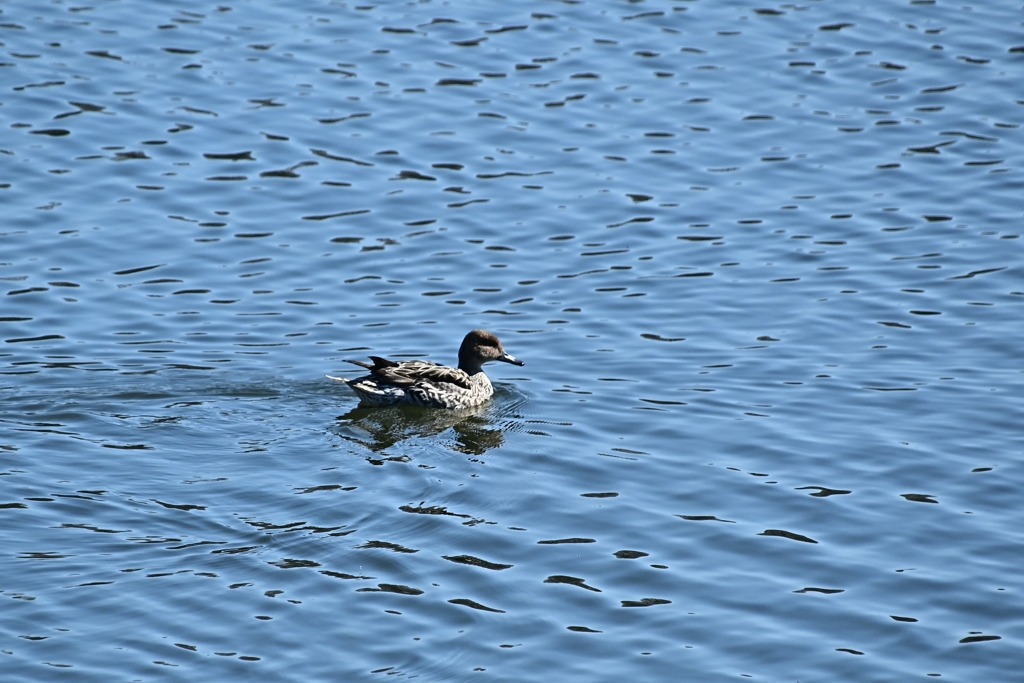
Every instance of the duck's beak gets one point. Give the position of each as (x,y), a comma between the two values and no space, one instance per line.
(510,359)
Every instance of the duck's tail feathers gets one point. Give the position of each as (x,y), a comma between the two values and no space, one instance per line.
(378,363)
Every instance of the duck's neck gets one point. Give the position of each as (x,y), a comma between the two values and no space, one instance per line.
(470,367)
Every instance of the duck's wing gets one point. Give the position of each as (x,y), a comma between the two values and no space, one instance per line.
(410,372)
(416,371)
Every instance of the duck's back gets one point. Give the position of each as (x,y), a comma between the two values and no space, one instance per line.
(420,383)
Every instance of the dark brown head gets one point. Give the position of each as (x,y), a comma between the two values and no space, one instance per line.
(479,347)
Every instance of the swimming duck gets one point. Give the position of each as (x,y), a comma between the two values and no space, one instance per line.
(425,383)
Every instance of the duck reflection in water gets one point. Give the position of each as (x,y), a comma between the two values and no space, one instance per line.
(473,430)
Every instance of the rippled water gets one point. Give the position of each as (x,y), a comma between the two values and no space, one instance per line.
(763,264)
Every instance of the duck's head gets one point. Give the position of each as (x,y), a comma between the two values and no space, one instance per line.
(479,347)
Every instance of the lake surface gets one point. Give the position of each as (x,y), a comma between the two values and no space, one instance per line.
(763,262)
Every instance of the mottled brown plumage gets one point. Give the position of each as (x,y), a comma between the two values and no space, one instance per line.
(425,383)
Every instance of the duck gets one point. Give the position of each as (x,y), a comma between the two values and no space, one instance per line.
(425,383)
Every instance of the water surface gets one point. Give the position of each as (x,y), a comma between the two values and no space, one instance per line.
(762,262)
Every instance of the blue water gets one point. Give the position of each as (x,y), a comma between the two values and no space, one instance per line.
(763,264)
